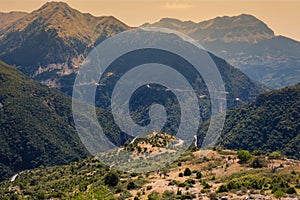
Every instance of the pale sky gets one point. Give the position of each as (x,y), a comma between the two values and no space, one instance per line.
(282,16)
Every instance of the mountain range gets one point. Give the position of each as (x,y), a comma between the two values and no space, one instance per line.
(50,44)
(247,43)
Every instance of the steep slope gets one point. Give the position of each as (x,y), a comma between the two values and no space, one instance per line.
(248,43)
(271,123)
(36,125)
(51,42)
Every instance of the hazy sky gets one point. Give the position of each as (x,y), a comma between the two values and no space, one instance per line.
(283,16)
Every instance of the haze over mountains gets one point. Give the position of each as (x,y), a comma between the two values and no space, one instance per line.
(10,17)
(50,43)
(54,39)
(247,43)
(68,36)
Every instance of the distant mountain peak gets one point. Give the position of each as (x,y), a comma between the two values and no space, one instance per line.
(241,28)
(55,4)
(55,34)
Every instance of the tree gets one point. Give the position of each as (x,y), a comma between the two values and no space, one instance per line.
(187,172)
(131,185)
(244,155)
(111,179)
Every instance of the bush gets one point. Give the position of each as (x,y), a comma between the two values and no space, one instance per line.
(188,196)
(258,163)
(187,172)
(222,188)
(257,152)
(291,190)
(278,194)
(124,196)
(190,181)
(131,186)
(275,155)
(198,175)
(180,174)
(244,155)
(205,184)
(149,187)
(111,179)
(154,196)
(168,195)
(182,184)
(213,196)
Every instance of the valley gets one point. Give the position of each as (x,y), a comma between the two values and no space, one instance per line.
(45,153)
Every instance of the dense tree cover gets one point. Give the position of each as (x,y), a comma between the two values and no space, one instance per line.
(36,125)
(271,123)
(85,179)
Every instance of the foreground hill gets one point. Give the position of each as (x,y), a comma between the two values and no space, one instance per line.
(270,123)
(247,43)
(36,125)
(196,175)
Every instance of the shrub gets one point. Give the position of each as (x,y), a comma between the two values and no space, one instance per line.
(124,196)
(198,175)
(190,181)
(188,196)
(258,163)
(222,188)
(187,172)
(278,194)
(291,190)
(244,155)
(181,184)
(168,195)
(111,179)
(149,187)
(205,184)
(213,196)
(180,174)
(257,152)
(154,196)
(275,155)
(131,185)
